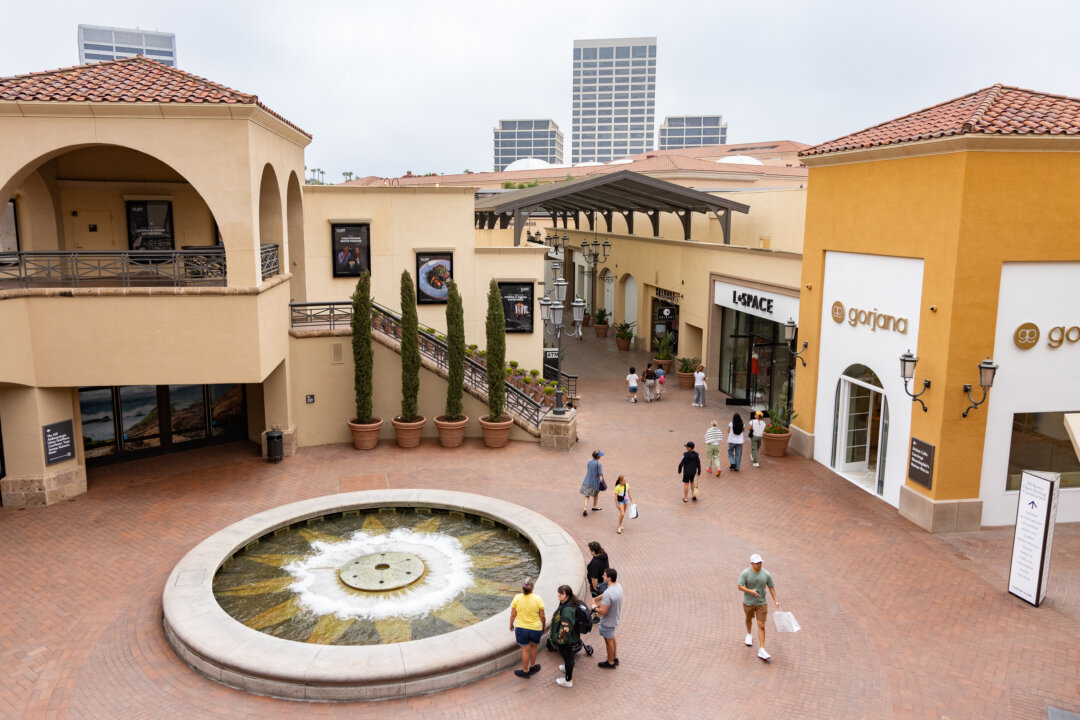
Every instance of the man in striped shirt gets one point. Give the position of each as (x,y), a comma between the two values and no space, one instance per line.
(713,437)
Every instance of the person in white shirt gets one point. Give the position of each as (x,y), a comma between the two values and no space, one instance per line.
(735,442)
(699,387)
(757,431)
(632,384)
(713,438)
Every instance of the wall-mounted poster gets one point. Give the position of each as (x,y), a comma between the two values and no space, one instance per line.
(433,270)
(351,248)
(517,301)
(150,225)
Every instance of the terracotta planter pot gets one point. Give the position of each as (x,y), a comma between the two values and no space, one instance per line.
(497,433)
(666,364)
(623,343)
(586,321)
(775,444)
(451,432)
(686,380)
(601,330)
(408,433)
(365,436)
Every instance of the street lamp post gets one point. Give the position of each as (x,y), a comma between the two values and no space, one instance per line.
(594,254)
(552,309)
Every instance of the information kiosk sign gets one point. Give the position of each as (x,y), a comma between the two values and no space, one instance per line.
(1033,537)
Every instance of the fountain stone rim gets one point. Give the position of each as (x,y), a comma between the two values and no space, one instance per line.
(221,648)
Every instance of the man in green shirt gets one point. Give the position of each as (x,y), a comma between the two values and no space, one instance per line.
(753,582)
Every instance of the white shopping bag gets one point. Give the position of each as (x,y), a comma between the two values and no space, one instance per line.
(785,621)
(633,510)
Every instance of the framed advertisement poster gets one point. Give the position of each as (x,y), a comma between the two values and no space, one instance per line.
(351,248)
(517,299)
(433,270)
(150,225)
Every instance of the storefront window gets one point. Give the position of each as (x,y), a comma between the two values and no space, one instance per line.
(1040,442)
(187,413)
(755,362)
(228,417)
(139,410)
(98,423)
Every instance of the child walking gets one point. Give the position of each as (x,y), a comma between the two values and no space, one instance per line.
(632,384)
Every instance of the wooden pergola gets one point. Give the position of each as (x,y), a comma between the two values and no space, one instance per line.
(622,192)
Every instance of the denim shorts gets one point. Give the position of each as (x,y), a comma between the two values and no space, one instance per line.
(526,636)
(606,632)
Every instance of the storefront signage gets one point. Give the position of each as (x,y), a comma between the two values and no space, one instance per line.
(875,319)
(517,300)
(1027,336)
(59,442)
(667,296)
(753,301)
(921,463)
(1033,536)
(551,363)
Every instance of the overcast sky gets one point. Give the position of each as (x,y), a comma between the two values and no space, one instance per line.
(395,85)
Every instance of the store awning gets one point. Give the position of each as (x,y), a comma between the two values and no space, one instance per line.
(622,192)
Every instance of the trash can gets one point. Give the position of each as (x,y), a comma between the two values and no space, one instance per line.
(274,446)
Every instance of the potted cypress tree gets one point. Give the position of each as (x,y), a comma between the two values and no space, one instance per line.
(451,425)
(495,425)
(410,423)
(600,322)
(364,427)
(774,441)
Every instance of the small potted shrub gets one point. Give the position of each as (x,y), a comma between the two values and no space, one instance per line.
(496,424)
(685,373)
(549,395)
(600,322)
(451,425)
(624,333)
(410,423)
(364,427)
(665,350)
(778,431)
(481,357)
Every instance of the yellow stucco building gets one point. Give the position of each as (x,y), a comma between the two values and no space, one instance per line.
(949,233)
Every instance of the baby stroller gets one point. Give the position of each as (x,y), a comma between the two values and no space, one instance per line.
(584,624)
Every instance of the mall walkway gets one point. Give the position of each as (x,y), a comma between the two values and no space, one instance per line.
(897,623)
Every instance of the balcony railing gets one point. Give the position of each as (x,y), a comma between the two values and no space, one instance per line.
(204,266)
(269,260)
(338,315)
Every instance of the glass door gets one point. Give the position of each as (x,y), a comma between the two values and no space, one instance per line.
(857,425)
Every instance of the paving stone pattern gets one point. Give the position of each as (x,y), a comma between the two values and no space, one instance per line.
(896,623)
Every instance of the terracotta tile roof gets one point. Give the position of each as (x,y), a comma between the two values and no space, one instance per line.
(996,110)
(132,80)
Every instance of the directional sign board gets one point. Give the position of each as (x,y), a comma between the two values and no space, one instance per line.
(1034,535)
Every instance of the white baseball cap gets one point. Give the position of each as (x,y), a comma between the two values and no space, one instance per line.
(755,558)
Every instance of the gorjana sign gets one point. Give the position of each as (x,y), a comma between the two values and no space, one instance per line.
(875,319)
(1027,336)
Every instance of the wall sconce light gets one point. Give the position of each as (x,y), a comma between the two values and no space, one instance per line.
(789,337)
(907,371)
(987,370)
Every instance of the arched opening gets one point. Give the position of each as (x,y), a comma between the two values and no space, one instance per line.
(860,428)
(294,257)
(136,220)
(608,281)
(630,299)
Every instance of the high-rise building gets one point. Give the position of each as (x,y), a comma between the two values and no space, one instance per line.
(98,43)
(614,98)
(688,131)
(518,139)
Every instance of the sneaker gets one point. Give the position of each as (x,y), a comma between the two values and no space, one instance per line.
(534,669)
(749,640)
(562,669)
(764,655)
(564,682)
(616,661)
(756,465)
(708,470)
(521,673)
(606,665)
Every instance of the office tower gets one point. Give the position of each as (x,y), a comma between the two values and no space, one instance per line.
(688,131)
(98,43)
(614,98)
(517,139)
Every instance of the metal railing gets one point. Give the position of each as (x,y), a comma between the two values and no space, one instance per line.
(269,260)
(114,268)
(338,315)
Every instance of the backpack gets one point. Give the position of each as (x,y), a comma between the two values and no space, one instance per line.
(584,619)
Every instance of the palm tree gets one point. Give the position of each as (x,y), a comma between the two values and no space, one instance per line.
(347,175)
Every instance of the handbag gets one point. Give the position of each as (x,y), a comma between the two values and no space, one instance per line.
(603,485)
(633,511)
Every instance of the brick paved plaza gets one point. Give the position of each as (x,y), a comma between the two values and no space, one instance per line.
(897,623)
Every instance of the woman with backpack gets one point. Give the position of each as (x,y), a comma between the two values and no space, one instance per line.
(735,442)
(564,633)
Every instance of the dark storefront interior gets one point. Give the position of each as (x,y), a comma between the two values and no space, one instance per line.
(755,362)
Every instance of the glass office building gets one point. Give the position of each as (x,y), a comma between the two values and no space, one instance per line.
(518,139)
(97,43)
(688,131)
(614,100)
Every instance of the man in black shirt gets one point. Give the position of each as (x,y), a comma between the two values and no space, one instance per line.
(690,467)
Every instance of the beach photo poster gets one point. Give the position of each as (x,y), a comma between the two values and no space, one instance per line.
(351,247)
(517,299)
(433,271)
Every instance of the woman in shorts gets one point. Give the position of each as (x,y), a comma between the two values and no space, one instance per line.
(623,498)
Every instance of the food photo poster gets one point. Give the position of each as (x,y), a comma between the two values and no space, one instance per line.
(433,271)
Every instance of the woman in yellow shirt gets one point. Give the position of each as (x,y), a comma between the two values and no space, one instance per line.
(527,623)
(623,498)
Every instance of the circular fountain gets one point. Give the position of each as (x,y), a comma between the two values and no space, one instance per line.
(365,595)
